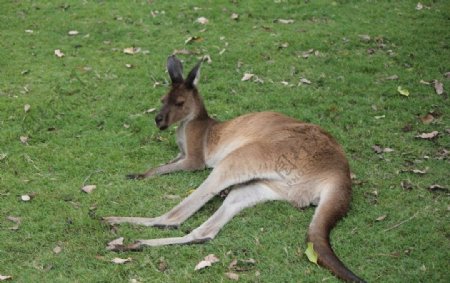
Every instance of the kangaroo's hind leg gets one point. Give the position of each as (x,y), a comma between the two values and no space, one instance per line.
(238,199)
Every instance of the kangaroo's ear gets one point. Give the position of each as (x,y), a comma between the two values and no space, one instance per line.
(175,69)
(194,76)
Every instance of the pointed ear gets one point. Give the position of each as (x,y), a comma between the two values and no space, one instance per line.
(194,76)
(175,69)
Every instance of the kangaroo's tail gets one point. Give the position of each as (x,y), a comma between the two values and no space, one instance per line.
(333,205)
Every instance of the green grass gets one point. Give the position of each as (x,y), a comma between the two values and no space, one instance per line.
(80,103)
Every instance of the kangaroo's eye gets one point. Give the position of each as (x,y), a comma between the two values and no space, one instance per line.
(179,103)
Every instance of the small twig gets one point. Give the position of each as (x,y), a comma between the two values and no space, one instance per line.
(90,175)
(401,223)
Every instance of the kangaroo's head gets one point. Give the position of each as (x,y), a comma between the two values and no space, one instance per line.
(182,102)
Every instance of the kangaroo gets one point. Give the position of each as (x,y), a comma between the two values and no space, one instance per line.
(262,157)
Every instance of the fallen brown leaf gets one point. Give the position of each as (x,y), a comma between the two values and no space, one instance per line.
(88,188)
(24,139)
(247,77)
(131,50)
(162,265)
(16,220)
(26,108)
(193,39)
(381,218)
(117,242)
(118,260)
(57,250)
(232,276)
(406,185)
(206,262)
(364,37)
(304,81)
(427,119)
(438,188)
(392,78)
(202,20)
(59,53)
(428,136)
(378,149)
(234,16)
(284,21)
(438,87)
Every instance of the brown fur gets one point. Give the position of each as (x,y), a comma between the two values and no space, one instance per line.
(261,156)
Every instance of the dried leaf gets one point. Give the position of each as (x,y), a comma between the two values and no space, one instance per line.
(73,32)
(247,76)
(364,37)
(202,20)
(427,119)
(57,250)
(193,39)
(234,16)
(117,242)
(212,258)
(438,87)
(129,66)
(88,188)
(392,78)
(283,45)
(381,218)
(182,52)
(424,82)
(59,53)
(419,6)
(416,171)
(206,262)
(25,198)
(3,156)
(406,185)
(378,149)
(24,139)
(403,91)
(202,264)
(131,50)
(162,265)
(447,75)
(311,253)
(428,136)
(284,21)
(26,107)
(151,110)
(16,220)
(438,188)
(118,260)
(5,277)
(29,31)
(304,81)
(232,276)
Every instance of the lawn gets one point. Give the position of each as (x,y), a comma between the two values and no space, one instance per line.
(78,84)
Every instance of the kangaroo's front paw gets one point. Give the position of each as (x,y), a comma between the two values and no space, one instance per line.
(135,176)
(136,246)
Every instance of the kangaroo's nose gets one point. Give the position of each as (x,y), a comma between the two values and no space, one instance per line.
(158,119)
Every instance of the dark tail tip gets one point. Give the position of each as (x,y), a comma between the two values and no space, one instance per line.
(328,259)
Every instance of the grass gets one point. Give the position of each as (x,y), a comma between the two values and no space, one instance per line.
(86,119)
